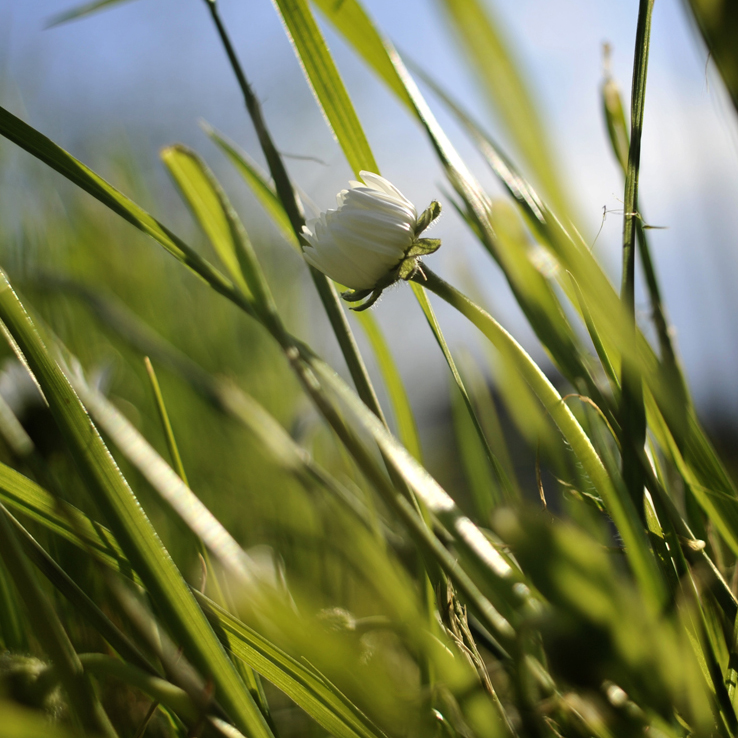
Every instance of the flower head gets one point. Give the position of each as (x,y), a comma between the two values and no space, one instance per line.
(371,239)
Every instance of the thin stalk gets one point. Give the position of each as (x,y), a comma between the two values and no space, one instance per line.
(619,506)
(286,192)
(633,412)
(251,679)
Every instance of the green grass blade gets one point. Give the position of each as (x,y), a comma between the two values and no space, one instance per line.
(326,83)
(164,480)
(258,182)
(13,634)
(632,410)
(206,202)
(466,535)
(352,21)
(607,319)
(407,429)
(501,477)
(131,526)
(312,692)
(326,705)
(54,156)
(165,422)
(619,506)
(27,498)
(490,58)
(78,599)
(46,626)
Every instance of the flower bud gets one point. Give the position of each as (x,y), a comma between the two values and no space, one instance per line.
(371,239)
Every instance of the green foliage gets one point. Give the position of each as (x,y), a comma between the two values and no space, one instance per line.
(319,580)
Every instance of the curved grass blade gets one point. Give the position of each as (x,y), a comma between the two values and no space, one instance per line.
(198,188)
(499,473)
(490,59)
(131,526)
(716,492)
(311,691)
(63,162)
(619,506)
(215,213)
(326,83)
(258,182)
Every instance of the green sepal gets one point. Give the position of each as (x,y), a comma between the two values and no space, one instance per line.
(356,295)
(427,217)
(423,247)
(366,305)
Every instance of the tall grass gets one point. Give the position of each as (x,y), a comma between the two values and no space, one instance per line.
(137,595)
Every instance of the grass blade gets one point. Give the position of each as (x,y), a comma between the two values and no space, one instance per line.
(326,83)
(499,473)
(47,627)
(132,528)
(489,56)
(619,506)
(259,184)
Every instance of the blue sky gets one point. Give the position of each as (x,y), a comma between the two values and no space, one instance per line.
(156,66)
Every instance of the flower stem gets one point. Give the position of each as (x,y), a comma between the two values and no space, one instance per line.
(618,504)
(633,413)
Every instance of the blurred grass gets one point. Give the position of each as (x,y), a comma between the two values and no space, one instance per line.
(378,602)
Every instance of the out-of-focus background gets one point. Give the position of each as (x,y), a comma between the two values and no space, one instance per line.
(116,87)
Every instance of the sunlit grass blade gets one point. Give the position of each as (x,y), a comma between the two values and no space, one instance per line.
(352,21)
(326,83)
(47,628)
(206,200)
(490,58)
(60,160)
(258,182)
(494,465)
(163,479)
(618,504)
(166,423)
(466,535)
(131,526)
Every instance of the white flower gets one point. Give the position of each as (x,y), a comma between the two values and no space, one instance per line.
(364,242)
